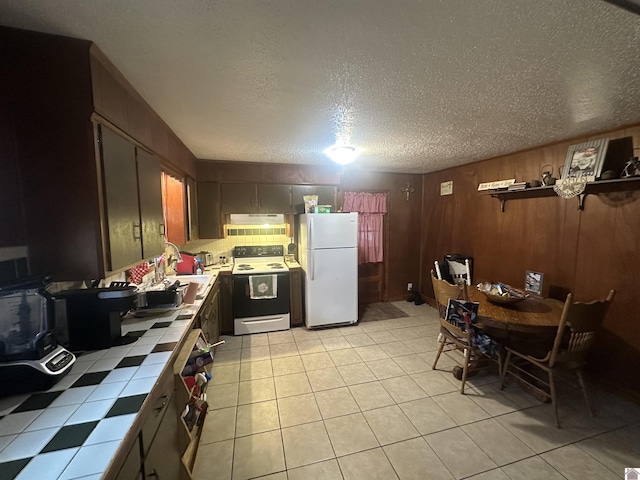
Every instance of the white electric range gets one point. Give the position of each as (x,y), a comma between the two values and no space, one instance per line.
(260,289)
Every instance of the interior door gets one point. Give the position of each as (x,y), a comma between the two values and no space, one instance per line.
(121,199)
(150,188)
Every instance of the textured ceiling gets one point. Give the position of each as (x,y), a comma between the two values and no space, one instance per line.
(418,86)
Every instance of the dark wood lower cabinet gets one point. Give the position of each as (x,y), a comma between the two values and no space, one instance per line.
(226,303)
(209,317)
(297,311)
(131,468)
(163,459)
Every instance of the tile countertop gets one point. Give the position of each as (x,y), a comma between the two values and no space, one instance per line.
(74,429)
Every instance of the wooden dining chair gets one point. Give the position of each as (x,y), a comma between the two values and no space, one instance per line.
(574,337)
(451,338)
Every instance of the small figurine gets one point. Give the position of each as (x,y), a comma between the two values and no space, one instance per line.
(632,168)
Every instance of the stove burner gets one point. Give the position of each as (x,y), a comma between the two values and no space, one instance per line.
(275,265)
(245,267)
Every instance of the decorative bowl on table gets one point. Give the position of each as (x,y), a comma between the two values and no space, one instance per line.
(501,293)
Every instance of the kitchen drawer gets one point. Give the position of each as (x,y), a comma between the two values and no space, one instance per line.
(161,396)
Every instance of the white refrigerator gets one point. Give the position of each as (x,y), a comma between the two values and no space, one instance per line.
(328,255)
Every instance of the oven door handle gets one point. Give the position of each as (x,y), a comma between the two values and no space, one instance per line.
(311,265)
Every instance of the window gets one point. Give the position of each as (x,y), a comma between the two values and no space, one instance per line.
(371,208)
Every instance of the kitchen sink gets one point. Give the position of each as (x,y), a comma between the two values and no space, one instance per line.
(186,279)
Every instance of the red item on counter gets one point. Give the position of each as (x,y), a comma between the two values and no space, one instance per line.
(138,272)
(188,264)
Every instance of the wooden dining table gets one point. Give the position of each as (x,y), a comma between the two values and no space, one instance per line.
(534,317)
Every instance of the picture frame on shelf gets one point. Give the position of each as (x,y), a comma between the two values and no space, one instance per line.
(533,282)
(585,159)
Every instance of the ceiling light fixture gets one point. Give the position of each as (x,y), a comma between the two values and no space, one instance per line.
(342,154)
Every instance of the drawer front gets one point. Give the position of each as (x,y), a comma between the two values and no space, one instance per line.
(161,396)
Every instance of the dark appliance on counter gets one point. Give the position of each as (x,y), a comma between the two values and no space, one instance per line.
(30,357)
(93,316)
(169,295)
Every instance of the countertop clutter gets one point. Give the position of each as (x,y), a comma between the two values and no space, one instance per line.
(76,428)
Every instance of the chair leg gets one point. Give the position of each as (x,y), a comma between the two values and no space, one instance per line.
(505,367)
(435,362)
(465,368)
(552,388)
(584,392)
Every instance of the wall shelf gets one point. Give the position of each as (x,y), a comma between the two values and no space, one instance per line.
(601,186)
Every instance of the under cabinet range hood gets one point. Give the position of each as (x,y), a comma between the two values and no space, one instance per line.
(256,218)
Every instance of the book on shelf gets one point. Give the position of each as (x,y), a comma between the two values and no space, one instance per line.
(517,186)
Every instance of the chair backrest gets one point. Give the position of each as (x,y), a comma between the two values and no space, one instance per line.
(443,291)
(582,320)
(458,271)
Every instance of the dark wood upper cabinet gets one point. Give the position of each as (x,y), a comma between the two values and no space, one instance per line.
(88,209)
(239,198)
(274,199)
(252,198)
(209,216)
(121,199)
(326,195)
(150,193)
(192,210)
(133,201)
(11,227)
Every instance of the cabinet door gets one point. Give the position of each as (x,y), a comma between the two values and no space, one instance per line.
(131,468)
(150,188)
(297,194)
(326,195)
(297,318)
(226,304)
(213,315)
(238,198)
(192,210)
(121,199)
(163,459)
(209,216)
(274,198)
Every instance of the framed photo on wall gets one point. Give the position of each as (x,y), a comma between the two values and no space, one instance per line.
(585,159)
(533,282)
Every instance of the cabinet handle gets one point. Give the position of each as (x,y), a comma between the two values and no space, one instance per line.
(261,202)
(137,227)
(253,201)
(163,228)
(154,474)
(164,402)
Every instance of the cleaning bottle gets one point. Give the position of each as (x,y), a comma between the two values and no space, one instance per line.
(198,266)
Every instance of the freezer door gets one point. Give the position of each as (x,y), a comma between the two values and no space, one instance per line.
(331,286)
(331,230)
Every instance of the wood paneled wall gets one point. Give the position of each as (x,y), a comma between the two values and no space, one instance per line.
(588,252)
(403,241)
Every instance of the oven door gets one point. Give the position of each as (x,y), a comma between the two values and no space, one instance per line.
(245,307)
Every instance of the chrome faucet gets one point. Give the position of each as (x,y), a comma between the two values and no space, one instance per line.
(177,250)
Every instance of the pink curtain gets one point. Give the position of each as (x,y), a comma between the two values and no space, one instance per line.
(370,207)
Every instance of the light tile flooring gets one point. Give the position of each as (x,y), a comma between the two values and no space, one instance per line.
(363,402)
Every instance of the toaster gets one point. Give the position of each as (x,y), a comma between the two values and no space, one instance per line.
(207,258)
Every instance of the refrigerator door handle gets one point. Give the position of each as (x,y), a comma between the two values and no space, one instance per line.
(311,265)
(310,234)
